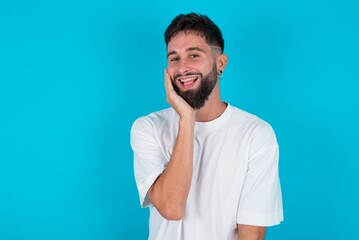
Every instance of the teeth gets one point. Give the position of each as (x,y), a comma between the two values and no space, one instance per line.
(188,79)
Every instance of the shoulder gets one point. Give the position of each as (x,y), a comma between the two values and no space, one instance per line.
(251,121)
(258,133)
(253,127)
(154,120)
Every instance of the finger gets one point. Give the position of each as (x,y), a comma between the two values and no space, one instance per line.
(165,79)
(168,82)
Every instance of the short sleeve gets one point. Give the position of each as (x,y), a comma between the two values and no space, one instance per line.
(149,161)
(260,203)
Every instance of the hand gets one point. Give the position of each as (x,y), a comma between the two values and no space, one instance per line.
(184,110)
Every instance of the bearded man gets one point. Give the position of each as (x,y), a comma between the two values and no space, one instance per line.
(206,169)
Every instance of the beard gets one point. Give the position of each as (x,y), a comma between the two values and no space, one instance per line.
(196,98)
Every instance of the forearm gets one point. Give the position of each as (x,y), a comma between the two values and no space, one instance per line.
(169,193)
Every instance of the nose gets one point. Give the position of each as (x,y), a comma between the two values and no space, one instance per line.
(183,67)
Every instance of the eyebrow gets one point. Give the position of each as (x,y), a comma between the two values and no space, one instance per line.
(187,50)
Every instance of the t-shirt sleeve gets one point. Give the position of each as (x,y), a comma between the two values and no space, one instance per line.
(149,161)
(260,203)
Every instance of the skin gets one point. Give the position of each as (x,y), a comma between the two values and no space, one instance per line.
(189,53)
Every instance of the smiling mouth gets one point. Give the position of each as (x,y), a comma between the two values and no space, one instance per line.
(188,81)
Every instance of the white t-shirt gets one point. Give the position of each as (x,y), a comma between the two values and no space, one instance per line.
(235,174)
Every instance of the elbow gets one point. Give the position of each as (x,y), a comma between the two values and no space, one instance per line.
(174,213)
(170,208)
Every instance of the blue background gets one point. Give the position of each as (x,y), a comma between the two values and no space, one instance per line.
(74,75)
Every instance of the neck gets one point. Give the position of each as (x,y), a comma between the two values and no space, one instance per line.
(213,108)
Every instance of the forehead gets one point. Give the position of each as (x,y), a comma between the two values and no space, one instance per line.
(184,40)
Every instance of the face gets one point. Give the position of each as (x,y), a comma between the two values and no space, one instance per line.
(192,67)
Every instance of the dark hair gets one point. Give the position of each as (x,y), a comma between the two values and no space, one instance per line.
(199,24)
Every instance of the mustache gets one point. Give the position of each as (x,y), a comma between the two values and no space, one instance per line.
(187,74)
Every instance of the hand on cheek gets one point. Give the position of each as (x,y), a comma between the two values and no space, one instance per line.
(184,110)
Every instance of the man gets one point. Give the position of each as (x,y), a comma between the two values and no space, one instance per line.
(206,169)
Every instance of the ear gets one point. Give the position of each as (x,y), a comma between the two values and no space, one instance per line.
(222,60)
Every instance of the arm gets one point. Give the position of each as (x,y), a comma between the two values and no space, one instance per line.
(247,232)
(261,203)
(169,192)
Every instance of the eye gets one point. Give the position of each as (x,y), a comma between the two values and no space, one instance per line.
(175,59)
(192,56)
